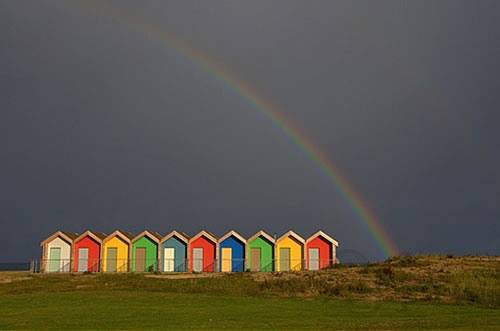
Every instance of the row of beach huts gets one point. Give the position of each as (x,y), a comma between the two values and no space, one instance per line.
(148,251)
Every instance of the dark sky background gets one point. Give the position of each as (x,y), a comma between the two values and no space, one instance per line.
(104,128)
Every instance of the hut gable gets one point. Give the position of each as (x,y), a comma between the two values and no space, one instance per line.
(293,235)
(179,235)
(262,234)
(320,233)
(209,235)
(154,236)
(233,234)
(123,235)
(69,237)
(97,236)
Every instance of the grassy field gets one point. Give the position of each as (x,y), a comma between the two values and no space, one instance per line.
(403,294)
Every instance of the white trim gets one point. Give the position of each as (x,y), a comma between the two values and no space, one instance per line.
(324,235)
(175,234)
(148,234)
(291,234)
(56,234)
(235,234)
(90,234)
(263,234)
(117,233)
(206,234)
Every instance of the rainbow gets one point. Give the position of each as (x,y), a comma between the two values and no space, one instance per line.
(267,108)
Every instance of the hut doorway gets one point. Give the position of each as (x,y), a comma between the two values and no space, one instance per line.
(83,259)
(112,262)
(198,259)
(169,259)
(54,259)
(227,259)
(255,262)
(140,259)
(285,259)
(313,258)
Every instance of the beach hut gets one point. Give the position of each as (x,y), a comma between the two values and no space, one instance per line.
(232,252)
(144,252)
(289,252)
(56,252)
(115,252)
(173,252)
(203,252)
(87,252)
(320,251)
(260,252)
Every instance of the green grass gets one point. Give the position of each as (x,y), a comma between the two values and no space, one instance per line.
(142,309)
(409,293)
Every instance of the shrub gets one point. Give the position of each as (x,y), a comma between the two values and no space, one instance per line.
(385,274)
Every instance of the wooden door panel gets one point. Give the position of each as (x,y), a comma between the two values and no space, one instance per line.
(198,259)
(227,262)
(255,259)
(285,259)
(313,258)
(169,259)
(83,259)
(112,259)
(140,259)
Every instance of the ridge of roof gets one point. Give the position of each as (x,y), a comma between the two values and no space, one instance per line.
(72,235)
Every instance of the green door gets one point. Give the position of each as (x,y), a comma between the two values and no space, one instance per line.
(112,261)
(55,259)
(284,259)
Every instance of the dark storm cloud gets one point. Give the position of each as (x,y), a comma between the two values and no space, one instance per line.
(103,127)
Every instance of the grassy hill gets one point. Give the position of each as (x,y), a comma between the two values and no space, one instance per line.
(425,292)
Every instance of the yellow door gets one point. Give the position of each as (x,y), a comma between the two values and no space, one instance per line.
(227,256)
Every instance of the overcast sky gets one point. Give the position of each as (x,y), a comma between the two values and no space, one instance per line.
(103,127)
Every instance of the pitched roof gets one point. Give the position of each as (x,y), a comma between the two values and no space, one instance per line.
(291,233)
(127,236)
(205,233)
(181,235)
(185,234)
(99,236)
(151,234)
(211,233)
(324,235)
(234,234)
(263,234)
(67,236)
(72,235)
